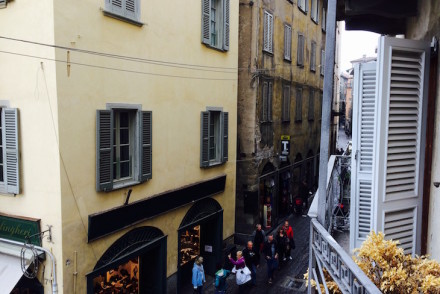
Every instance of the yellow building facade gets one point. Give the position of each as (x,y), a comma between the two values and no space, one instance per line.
(126,135)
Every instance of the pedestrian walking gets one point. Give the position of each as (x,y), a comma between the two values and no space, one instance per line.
(250,259)
(291,242)
(271,256)
(282,241)
(242,272)
(220,279)
(258,237)
(198,275)
(304,193)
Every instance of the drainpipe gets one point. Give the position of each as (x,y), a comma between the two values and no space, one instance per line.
(330,44)
(52,258)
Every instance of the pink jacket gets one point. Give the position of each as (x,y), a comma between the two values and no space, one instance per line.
(239,263)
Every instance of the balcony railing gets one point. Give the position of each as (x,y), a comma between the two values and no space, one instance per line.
(325,254)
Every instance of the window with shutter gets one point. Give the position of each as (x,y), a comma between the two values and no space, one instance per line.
(213,137)
(364,104)
(3,3)
(313,57)
(391,148)
(322,62)
(311,104)
(9,159)
(287,42)
(314,11)
(298,109)
(300,51)
(124,147)
(215,23)
(128,10)
(303,5)
(268,32)
(286,104)
(324,19)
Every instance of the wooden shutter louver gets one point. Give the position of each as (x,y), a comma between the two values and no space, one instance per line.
(313,57)
(298,112)
(264,100)
(225,136)
(11,156)
(268,32)
(146,146)
(287,42)
(204,144)
(104,145)
(364,106)
(405,107)
(400,225)
(226,25)
(269,101)
(300,55)
(286,103)
(311,104)
(206,10)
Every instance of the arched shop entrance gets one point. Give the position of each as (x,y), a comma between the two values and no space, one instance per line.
(200,233)
(135,263)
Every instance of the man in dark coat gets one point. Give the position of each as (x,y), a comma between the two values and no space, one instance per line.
(250,258)
(259,237)
(271,256)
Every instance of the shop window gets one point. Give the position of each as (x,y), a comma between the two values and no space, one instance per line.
(189,245)
(215,23)
(122,279)
(267,189)
(214,138)
(124,145)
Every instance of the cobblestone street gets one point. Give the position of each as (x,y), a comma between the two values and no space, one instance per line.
(289,277)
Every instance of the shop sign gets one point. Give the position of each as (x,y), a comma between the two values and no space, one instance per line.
(19,229)
(285,145)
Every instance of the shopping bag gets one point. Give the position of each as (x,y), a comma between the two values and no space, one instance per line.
(243,276)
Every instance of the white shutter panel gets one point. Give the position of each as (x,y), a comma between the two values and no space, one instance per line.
(104,150)
(131,9)
(225,136)
(2,3)
(146,146)
(268,32)
(287,42)
(364,102)
(10,150)
(204,138)
(206,10)
(115,6)
(400,139)
(226,25)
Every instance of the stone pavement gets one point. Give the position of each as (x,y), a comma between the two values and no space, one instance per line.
(289,277)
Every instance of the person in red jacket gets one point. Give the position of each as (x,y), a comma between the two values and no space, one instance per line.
(291,244)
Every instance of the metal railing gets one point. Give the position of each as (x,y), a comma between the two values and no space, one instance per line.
(325,254)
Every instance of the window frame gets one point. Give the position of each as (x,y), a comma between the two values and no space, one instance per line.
(287,42)
(285,111)
(222,24)
(311,114)
(298,104)
(314,11)
(300,50)
(140,132)
(313,56)
(266,100)
(268,32)
(303,6)
(220,137)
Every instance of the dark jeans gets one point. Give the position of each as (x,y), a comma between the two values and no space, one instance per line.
(272,264)
(289,248)
(199,290)
(253,270)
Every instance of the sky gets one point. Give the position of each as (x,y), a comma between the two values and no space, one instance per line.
(354,44)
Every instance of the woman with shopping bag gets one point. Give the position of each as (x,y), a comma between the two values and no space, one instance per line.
(242,272)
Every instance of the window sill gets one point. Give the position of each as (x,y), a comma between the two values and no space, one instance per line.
(302,10)
(128,183)
(286,121)
(315,21)
(214,164)
(288,60)
(298,121)
(122,18)
(268,52)
(215,48)
(300,65)
(313,70)
(323,30)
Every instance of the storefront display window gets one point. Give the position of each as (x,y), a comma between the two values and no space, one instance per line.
(123,279)
(267,187)
(189,245)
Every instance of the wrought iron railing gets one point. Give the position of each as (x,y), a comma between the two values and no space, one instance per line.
(325,253)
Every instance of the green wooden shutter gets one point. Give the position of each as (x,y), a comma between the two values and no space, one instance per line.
(225,136)
(104,150)
(204,139)
(226,24)
(206,10)
(10,151)
(146,146)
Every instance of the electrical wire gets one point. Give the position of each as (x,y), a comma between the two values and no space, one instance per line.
(230,70)
(116,69)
